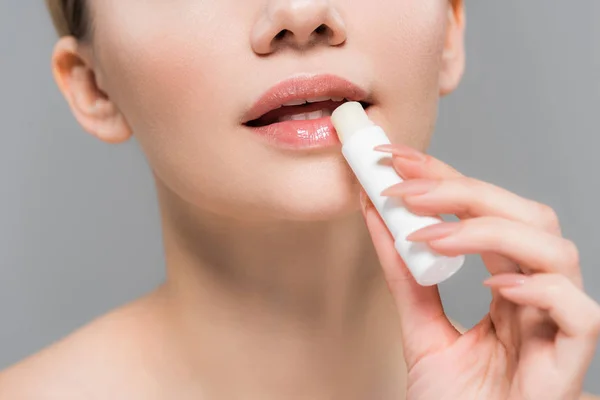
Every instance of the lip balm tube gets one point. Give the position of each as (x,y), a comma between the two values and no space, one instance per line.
(359,136)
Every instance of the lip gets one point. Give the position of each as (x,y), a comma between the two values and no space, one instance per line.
(317,133)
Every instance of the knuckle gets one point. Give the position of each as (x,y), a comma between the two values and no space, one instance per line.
(463,189)
(594,325)
(428,159)
(468,183)
(548,216)
(571,253)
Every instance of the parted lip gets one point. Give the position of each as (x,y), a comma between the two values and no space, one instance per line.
(305,87)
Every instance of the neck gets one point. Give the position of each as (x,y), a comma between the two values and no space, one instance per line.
(266,307)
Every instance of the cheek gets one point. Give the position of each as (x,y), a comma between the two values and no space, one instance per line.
(410,38)
(406,49)
(168,75)
(167,66)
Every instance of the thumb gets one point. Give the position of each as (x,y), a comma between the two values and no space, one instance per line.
(425,327)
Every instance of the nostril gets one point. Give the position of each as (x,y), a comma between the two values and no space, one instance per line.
(281,34)
(321,29)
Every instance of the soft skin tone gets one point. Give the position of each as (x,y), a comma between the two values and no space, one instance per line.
(275,289)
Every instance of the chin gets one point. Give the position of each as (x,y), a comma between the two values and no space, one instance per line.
(265,184)
(324,207)
(323,197)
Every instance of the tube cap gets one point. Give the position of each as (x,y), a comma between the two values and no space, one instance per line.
(349,118)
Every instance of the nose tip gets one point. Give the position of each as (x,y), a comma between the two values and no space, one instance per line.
(303,18)
(298,23)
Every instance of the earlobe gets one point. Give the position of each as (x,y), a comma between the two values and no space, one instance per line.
(92,108)
(453,57)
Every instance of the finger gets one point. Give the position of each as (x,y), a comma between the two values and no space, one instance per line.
(413,164)
(425,327)
(410,163)
(468,196)
(532,249)
(576,314)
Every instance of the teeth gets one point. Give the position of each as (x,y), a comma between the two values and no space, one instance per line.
(318,99)
(300,117)
(315,114)
(300,102)
(306,116)
(294,103)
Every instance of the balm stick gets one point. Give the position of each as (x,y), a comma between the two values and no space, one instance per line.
(359,136)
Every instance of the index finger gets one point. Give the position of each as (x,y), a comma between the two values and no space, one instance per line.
(429,167)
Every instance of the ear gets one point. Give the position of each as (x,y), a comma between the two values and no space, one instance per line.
(453,57)
(92,108)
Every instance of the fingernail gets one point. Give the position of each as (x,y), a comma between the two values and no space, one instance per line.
(434,232)
(506,280)
(412,187)
(401,151)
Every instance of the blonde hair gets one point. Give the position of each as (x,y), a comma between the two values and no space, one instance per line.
(70,17)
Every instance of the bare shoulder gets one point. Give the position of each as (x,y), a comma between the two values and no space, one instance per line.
(589,397)
(95,361)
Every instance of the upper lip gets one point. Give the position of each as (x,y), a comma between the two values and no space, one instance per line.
(304,88)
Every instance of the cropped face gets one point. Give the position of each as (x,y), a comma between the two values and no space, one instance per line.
(230,99)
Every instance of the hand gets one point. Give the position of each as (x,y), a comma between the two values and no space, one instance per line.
(542,329)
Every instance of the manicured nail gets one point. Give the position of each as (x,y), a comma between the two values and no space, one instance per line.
(506,280)
(401,151)
(434,232)
(413,187)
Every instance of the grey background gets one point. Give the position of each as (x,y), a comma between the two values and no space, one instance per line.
(79,231)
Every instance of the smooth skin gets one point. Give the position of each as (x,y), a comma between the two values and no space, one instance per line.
(539,337)
(274,288)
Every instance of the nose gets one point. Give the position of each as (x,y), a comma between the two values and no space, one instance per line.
(299,24)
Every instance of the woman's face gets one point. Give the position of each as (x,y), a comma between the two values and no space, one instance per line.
(187,75)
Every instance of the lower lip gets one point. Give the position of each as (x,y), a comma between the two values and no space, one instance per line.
(299,135)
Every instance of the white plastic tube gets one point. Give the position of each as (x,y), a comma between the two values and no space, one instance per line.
(359,136)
